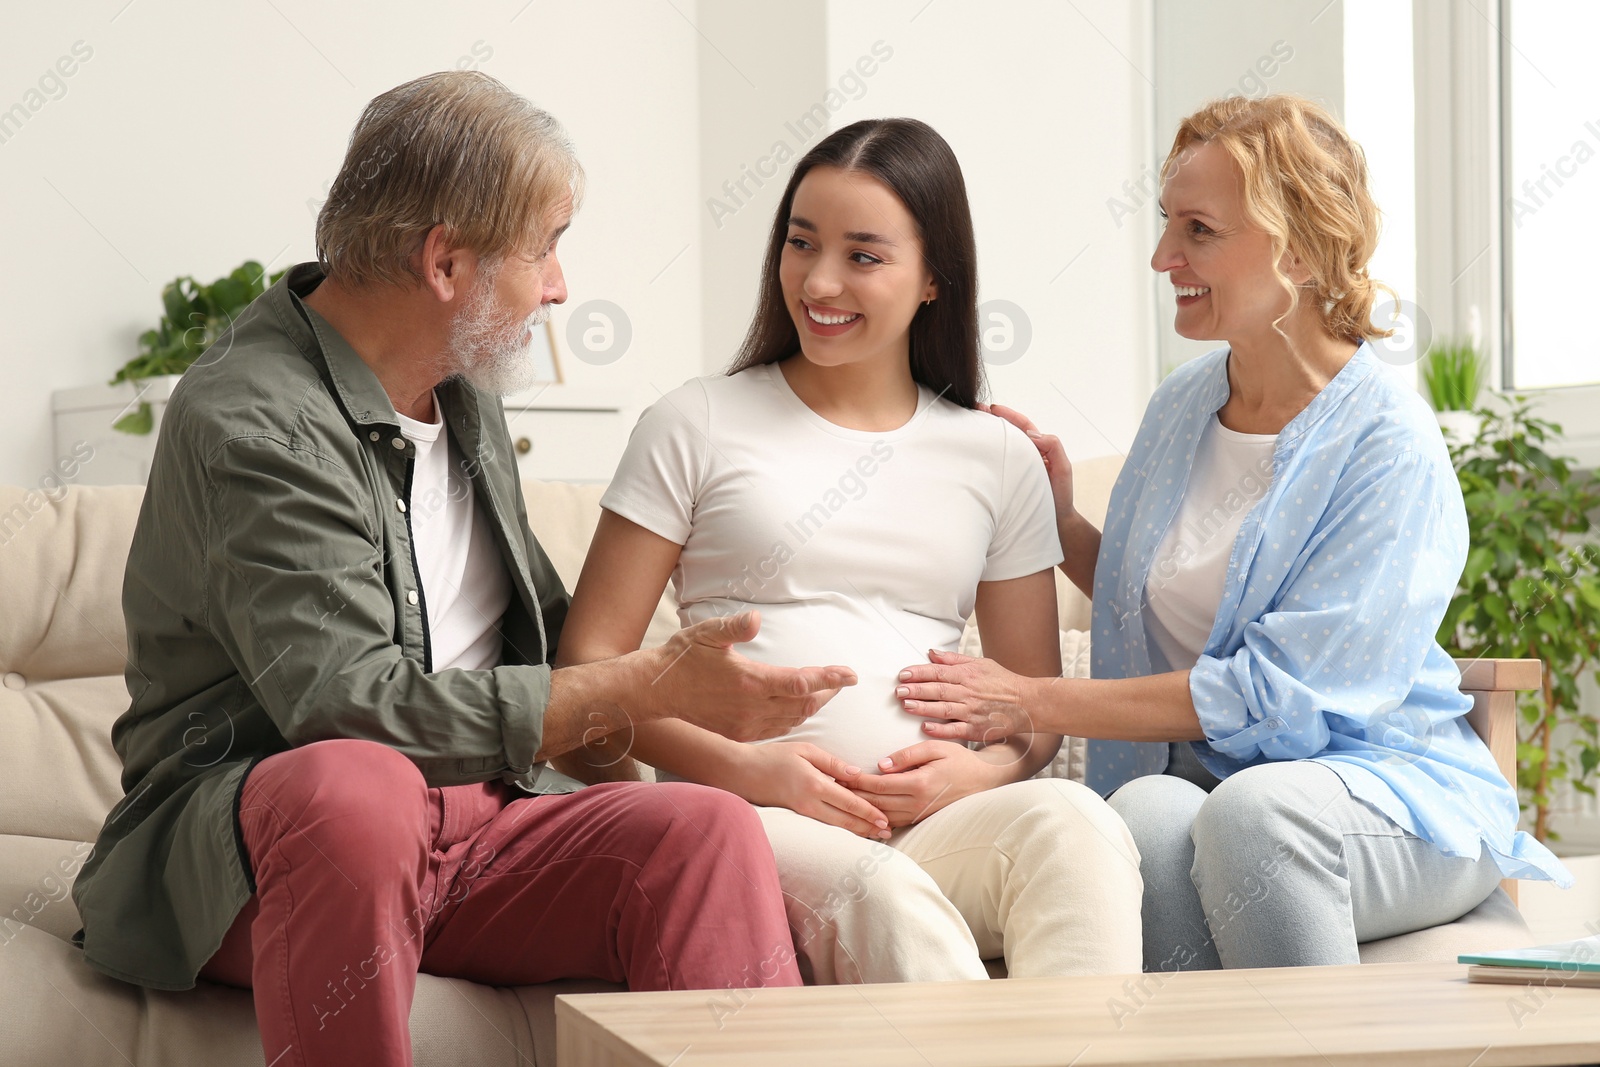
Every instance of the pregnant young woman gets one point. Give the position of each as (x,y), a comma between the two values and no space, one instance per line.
(839,482)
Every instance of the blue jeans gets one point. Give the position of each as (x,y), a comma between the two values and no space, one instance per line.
(1279,866)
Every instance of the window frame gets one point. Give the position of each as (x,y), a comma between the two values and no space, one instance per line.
(1464,236)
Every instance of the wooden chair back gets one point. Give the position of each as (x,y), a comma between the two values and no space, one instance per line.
(1493,685)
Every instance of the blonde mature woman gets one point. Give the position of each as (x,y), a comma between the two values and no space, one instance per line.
(1278,552)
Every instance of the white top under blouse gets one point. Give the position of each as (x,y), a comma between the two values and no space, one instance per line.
(1231,473)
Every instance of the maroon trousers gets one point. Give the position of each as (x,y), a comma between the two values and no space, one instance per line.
(365,876)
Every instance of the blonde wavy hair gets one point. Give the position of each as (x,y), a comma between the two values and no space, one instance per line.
(455,148)
(1305,184)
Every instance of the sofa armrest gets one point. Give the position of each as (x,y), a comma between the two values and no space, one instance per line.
(1493,685)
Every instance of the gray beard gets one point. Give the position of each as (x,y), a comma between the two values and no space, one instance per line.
(489,349)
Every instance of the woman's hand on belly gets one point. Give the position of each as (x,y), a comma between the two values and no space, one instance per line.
(928,776)
(978,699)
(802,777)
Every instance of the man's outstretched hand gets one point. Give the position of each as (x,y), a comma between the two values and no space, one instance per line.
(699,678)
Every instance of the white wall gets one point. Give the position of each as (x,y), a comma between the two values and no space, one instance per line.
(1046,106)
(195,135)
(1047,110)
(1245,48)
(757,75)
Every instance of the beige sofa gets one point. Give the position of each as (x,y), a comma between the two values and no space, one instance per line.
(62,650)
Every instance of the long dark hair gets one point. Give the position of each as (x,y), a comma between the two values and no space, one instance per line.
(919,167)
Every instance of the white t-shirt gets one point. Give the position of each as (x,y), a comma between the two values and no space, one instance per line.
(1231,473)
(859,548)
(465,586)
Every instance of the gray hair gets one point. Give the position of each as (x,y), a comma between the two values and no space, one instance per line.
(455,148)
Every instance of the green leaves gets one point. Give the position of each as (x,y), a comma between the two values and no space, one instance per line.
(140,420)
(1532,755)
(1531,587)
(175,301)
(1495,605)
(193,317)
(1479,560)
(1453,373)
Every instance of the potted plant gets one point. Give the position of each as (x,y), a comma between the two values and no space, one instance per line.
(1453,372)
(1531,588)
(194,316)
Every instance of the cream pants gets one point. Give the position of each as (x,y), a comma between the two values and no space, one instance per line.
(1041,872)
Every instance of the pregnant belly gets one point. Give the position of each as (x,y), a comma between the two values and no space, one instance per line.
(864,722)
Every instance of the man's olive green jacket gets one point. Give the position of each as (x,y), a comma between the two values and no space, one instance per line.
(272,600)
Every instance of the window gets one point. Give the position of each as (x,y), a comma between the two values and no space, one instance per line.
(1550,138)
(1380,113)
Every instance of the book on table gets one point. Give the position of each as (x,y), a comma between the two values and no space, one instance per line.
(1568,963)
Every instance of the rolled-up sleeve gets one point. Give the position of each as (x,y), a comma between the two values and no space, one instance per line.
(296,592)
(1352,625)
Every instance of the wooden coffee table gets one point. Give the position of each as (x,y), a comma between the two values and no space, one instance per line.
(1402,1013)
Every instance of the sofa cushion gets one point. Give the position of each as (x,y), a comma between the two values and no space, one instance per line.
(36,876)
(62,654)
(61,564)
(61,1013)
(1494,925)
(1092,481)
(563,516)
(58,773)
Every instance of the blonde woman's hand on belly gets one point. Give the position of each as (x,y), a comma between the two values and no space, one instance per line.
(964,698)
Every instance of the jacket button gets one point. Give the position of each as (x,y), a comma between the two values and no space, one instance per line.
(411,597)
(399,443)
(399,503)
(374,435)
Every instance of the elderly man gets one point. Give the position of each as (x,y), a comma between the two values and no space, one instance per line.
(341,634)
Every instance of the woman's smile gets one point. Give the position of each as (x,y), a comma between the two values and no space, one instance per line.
(829,321)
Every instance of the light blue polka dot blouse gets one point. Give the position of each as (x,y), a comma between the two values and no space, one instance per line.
(1323,646)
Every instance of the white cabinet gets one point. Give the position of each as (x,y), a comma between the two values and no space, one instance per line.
(83,416)
(560,433)
(569,434)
